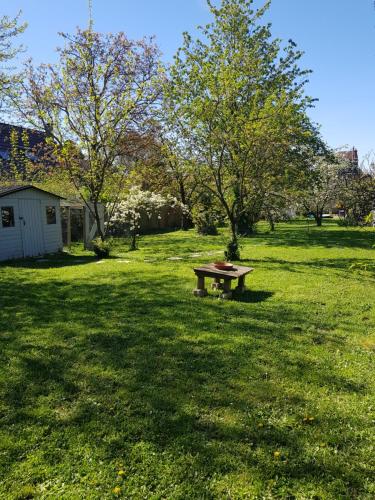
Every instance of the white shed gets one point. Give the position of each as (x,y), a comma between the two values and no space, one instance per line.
(30,222)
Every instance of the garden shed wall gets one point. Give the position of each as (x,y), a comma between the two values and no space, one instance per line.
(32,224)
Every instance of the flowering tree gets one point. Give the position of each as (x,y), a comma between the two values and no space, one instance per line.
(324,188)
(102,90)
(129,212)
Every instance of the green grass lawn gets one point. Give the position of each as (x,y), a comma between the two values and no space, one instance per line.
(114,367)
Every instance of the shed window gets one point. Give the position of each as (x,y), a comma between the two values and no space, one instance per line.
(51,215)
(7,216)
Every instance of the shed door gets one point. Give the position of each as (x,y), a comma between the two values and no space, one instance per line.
(32,228)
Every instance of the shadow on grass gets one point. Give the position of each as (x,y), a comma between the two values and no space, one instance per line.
(252,296)
(50,261)
(144,374)
(329,235)
(346,266)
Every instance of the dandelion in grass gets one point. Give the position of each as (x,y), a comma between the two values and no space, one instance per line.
(308,419)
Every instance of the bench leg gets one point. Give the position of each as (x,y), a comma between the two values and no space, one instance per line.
(200,291)
(227,292)
(241,288)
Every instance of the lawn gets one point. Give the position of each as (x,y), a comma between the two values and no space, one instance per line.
(116,381)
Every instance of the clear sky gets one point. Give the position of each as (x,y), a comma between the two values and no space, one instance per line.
(337,36)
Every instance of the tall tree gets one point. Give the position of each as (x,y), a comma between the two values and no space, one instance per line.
(102,91)
(234,90)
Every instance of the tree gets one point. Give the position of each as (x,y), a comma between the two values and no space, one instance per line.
(101,92)
(324,188)
(159,166)
(10,28)
(239,95)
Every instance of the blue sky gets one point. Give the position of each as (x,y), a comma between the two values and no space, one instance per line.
(337,36)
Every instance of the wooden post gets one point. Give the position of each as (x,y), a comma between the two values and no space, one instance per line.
(200,291)
(227,293)
(241,288)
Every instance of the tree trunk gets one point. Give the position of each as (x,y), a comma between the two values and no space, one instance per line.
(133,241)
(319,219)
(186,220)
(98,221)
(233,251)
(271,222)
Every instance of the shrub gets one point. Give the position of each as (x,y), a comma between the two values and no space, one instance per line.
(102,248)
(348,221)
(205,222)
(206,215)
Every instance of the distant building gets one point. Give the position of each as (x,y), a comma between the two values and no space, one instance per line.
(352,169)
(351,156)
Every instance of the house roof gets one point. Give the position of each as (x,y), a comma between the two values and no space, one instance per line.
(5,190)
(35,137)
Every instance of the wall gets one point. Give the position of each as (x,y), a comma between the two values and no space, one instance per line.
(11,238)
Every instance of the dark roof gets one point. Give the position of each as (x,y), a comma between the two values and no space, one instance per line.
(5,190)
(35,137)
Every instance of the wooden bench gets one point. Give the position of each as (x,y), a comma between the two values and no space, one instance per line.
(210,271)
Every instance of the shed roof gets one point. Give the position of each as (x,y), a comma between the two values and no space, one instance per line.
(5,190)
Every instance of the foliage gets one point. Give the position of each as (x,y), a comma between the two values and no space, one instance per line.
(102,249)
(348,221)
(357,196)
(102,90)
(117,367)
(157,168)
(206,215)
(10,28)
(238,96)
(370,218)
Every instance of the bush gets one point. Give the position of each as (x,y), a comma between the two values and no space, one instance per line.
(205,216)
(101,248)
(370,219)
(348,221)
(205,224)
